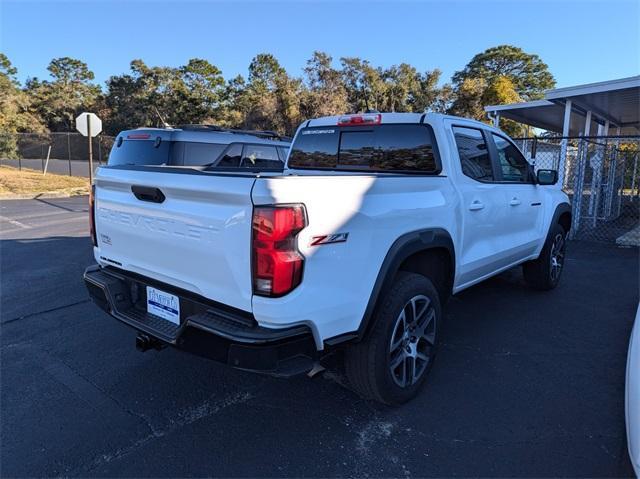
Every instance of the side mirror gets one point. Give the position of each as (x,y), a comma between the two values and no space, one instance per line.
(547,177)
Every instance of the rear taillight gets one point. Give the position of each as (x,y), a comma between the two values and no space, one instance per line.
(277,263)
(92,215)
(355,120)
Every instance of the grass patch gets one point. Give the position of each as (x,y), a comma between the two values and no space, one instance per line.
(25,183)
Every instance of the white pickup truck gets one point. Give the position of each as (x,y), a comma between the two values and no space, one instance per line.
(356,246)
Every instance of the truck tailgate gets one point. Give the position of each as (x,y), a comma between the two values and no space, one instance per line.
(187,228)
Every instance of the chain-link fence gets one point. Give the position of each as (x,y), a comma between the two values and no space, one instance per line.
(601,175)
(67,153)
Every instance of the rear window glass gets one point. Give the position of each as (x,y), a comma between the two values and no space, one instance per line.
(140,152)
(379,148)
(161,152)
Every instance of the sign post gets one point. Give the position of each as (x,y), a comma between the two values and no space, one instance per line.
(89,125)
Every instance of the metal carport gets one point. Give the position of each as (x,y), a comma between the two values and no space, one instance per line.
(596,150)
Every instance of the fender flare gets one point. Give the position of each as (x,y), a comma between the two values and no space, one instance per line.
(405,246)
(562,208)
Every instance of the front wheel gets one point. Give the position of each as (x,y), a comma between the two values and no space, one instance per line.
(391,363)
(544,273)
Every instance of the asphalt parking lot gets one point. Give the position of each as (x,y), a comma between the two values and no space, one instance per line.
(526,383)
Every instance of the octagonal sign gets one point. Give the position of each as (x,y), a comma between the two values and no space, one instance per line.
(83,127)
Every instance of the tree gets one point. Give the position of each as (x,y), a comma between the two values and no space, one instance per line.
(364,84)
(258,99)
(199,91)
(402,83)
(16,110)
(272,98)
(502,92)
(264,71)
(268,98)
(193,93)
(288,95)
(70,92)
(69,71)
(529,75)
(468,99)
(474,94)
(325,93)
(235,102)
(418,91)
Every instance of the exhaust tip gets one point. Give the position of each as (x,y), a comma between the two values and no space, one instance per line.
(144,342)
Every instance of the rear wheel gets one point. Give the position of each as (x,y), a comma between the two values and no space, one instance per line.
(544,273)
(391,363)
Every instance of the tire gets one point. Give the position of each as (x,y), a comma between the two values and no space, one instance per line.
(544,273)
(396,336)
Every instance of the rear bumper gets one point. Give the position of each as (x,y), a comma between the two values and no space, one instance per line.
(206,328)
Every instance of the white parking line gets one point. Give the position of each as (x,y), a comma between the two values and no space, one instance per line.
(14,222)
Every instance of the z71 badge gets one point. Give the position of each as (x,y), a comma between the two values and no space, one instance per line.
(329,239)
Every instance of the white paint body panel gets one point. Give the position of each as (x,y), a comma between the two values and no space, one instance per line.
(339,278)
(199,239)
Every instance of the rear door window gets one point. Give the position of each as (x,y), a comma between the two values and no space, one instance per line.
(232,157)
(407,148)
(200,154)
(260,156)
(474,154)
(283,153)
(513,166)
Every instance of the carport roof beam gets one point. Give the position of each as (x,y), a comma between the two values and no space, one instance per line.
(615,101)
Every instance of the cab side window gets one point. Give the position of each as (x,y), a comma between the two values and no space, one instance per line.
(231,158)
(283,153)
(474,154)
(513,166)
(259,156)
(199,154)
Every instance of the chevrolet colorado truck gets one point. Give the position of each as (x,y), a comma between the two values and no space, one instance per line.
(354,247)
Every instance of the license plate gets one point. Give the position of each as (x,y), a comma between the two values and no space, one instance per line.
(162,304)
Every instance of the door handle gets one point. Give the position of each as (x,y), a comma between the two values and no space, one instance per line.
(147,193)
(515,202)
(476,205)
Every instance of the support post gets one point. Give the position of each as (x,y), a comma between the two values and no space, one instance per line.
(578,181)
(90,149)
(609,160)
(633,177)
(496,120)
(596,179)
(566,125)
(623,168)
(587,124)
(46,165)
(69,151)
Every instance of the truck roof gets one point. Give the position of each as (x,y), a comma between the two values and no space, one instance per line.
(202,134)
(391,118)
